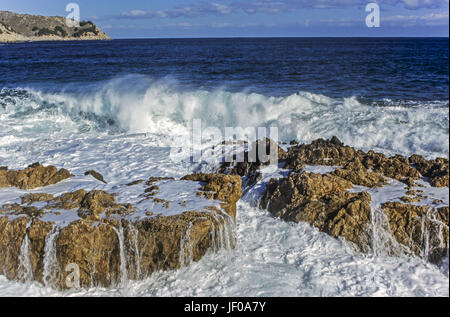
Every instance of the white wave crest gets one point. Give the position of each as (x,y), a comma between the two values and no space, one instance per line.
(137,104)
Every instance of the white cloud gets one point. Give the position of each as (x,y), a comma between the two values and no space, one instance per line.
(273,7)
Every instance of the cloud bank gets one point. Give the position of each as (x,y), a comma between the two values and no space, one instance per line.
(203,8)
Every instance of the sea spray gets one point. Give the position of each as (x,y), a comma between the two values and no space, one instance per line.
(220,221)
(212,236)
(51,265)
(229,225)
(163,110)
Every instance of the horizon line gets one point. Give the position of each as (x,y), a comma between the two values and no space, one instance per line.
(279,37)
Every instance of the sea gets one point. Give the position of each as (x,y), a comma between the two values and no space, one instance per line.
(121,107)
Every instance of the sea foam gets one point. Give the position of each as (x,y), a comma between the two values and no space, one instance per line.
(138,104)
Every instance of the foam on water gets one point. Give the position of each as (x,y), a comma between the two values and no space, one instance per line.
(124,129)
(138,104)
(275,258)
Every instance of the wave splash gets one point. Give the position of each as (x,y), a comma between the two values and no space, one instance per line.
(138,104)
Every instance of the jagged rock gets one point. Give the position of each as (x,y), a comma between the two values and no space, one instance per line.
(424,230)
(96,175)
(34,176)
(34,198)
(226,188)
(356,172)
(409,199)
(325,202)
(437,170)
(322,201)
(365,166)
(249,168)
(106,240)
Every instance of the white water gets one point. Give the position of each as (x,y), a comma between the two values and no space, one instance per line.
(275,258)
(272,258)
(51,265)
(135,244)
(186,248)
(25,270)
(163,109)
(123,258)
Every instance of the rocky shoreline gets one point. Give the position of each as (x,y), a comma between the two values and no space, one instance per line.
(344,192)
(110,242)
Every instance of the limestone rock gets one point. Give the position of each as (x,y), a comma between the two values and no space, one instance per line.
(322,201)
(424,230)
(96,175)
(105,239)
(325,202)
(437,170)
(226,188)
(365,166)
(34,176)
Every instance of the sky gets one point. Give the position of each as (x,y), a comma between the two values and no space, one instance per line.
(250,18)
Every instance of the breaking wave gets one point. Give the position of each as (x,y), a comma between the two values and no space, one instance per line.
(139,104)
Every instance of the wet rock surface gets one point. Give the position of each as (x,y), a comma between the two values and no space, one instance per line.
(226,188)
(96,175)
(422,229)
(34,176)
(324,202)
(436,170)
(110,242)
(327,201)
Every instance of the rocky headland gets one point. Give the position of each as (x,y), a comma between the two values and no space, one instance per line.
(16,27)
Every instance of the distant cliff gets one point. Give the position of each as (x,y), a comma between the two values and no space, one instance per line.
(24,27)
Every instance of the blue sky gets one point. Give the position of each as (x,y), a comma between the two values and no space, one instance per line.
(249,18)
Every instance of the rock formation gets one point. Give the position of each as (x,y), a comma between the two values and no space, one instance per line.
(328,202)
(34,176)
(24,27)
(111,242)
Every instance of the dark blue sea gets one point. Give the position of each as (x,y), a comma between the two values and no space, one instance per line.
(389,94)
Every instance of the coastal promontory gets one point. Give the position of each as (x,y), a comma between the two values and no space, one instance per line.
(16,27)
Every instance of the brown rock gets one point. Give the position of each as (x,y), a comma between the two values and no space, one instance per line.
(226,188)
(437,170)
(96,175)
(33,176)
(108,247)
(322,201)
(140,181)
(357,173)
(424,230)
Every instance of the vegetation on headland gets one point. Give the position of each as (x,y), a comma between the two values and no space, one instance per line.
(22,27)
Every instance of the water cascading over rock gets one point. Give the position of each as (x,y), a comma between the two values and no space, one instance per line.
(111,242)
